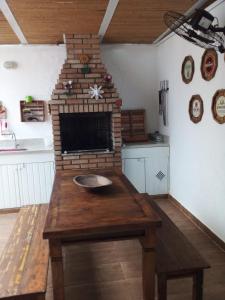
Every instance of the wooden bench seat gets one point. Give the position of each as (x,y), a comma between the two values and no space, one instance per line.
(24,261)
(176,257)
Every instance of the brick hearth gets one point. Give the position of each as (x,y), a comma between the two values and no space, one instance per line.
(79,101)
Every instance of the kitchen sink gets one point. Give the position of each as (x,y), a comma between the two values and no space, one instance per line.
(12,149)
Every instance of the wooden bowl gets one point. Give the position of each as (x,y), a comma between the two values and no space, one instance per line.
(92,181)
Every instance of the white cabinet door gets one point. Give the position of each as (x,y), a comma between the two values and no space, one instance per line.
(134,169)
(156,166)
(26,183)
(36,180)
(9,187)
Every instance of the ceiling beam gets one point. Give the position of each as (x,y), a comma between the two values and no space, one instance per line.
(107,18)
(12,21)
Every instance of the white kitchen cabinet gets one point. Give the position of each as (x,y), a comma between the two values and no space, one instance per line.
(156,167)
(26,174)
(132,168)
(9,186)
(25,183)
(147,167)
(35,182)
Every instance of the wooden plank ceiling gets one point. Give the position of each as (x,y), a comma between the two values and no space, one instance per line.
(45,21)
(7,36)
(141,21)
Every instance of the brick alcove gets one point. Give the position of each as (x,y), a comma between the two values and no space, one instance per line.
(79,101)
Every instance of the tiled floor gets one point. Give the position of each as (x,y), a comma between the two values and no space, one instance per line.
(112,270)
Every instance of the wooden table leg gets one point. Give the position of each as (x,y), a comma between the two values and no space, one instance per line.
(148,267)
(198,285)
(57,269)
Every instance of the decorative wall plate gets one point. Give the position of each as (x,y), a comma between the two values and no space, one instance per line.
(218,106)
(209,64)
(188,69)
(196,108)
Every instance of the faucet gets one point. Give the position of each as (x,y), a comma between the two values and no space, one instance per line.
(13,135)
(14,138)
(6,133)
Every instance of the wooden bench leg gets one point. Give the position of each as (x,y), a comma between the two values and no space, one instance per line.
(57,269)
(162,287)
(198,285)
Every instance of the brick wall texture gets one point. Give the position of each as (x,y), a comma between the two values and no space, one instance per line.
(79,101)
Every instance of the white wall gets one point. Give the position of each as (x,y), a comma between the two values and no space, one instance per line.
(36,74)
(133,69)
(197,157)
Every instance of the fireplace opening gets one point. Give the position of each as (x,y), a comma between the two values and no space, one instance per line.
(82,132)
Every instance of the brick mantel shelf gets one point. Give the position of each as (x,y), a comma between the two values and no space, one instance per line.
(79,101)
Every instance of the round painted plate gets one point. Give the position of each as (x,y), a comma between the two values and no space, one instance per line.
(188,69)
(209,64)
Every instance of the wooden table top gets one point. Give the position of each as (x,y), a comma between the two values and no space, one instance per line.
(81,214)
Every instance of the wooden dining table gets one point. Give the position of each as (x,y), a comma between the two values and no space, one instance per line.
(115,212)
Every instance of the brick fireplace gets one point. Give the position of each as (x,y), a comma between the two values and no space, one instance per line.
(77,104)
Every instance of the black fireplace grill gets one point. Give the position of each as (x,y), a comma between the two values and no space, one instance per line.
(85,132)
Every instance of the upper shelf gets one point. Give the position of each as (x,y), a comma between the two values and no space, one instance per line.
(33,111)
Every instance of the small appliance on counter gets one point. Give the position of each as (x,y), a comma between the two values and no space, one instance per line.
(156,137)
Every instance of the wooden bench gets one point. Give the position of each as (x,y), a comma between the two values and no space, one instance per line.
(24,261)
(176,257)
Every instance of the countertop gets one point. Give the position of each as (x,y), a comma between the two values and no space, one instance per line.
(36,145)
(147,144)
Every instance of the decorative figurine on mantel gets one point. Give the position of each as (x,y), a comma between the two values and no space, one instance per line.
(96,92)
(108,81)
(68,86)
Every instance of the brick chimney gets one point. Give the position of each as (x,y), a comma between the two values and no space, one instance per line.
(79,101)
